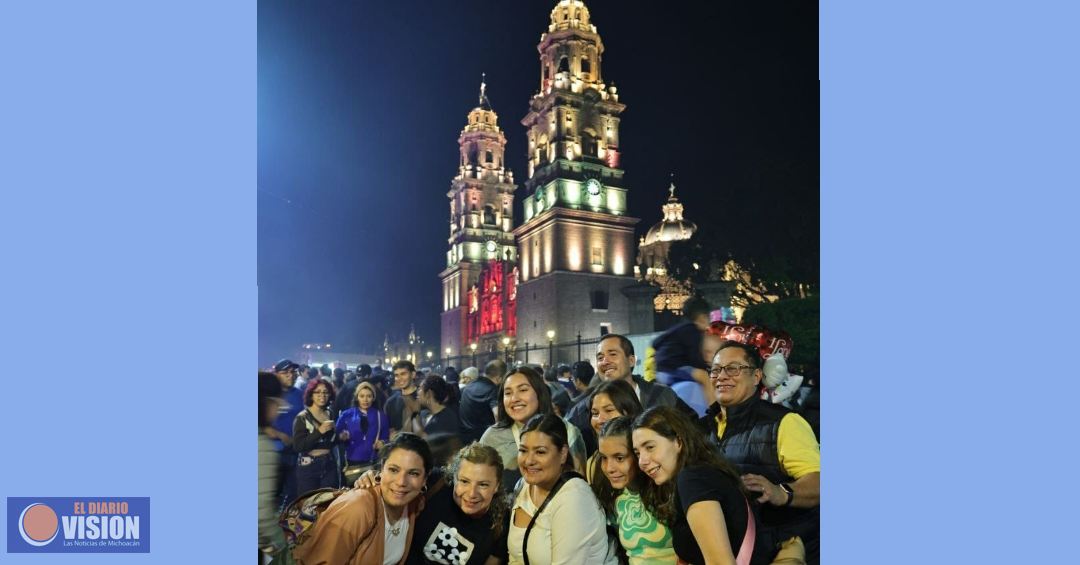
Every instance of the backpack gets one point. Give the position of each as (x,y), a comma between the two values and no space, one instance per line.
(300,515)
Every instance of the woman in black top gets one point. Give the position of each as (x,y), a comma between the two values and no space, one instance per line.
(313,439)
(698,494)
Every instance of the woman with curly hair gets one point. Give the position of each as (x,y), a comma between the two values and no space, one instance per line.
(463,520)
(313,439)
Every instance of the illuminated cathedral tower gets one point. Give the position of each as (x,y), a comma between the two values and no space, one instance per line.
(576,245)
(480,278)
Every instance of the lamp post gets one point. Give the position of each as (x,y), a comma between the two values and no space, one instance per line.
(472,346)
(506,349)
(551,348)
(429,357)
(447,357)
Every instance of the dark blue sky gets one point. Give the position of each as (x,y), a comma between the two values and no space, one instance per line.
(360,105)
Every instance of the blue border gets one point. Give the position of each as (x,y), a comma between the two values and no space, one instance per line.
(127,184)
(949,151)
(948,177)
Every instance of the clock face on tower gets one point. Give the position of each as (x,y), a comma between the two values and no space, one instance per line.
(490,245)
(593,187)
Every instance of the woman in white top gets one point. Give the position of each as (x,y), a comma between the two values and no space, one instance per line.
(524,395)
(569,528)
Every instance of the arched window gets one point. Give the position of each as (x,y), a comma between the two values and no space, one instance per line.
(586,66)
(489,214)
(564,65)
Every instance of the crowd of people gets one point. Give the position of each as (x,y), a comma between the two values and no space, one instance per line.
(496,470)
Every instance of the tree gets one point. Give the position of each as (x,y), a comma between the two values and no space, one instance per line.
(799,317)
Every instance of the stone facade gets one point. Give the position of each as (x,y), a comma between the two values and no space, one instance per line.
(570,304)
(481,220)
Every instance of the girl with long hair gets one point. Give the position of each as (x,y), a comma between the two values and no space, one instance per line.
(693,490)
(525,395)
(618,484)
(607,401)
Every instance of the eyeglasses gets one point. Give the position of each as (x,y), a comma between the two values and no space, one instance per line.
(323,392)
(732,370)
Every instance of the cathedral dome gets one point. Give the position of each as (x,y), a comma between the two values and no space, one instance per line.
(673,227)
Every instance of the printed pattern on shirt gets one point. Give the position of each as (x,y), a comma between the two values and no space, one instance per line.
(643,537)
(447,547)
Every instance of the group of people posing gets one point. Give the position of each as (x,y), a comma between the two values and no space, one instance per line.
(628,474)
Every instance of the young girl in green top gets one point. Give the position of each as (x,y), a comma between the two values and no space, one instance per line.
(617,483)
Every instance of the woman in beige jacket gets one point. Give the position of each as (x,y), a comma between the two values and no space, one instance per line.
(375,525)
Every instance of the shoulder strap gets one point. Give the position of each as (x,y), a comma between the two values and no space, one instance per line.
(746,550)
(558,485)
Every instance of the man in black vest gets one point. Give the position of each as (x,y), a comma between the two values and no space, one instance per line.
(774,448)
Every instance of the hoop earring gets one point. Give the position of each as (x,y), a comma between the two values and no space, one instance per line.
(378,478)
(423,489)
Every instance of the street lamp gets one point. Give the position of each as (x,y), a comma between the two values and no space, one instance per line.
(551,348)
(429,357)
(506,349)
(472,346)
(447,357)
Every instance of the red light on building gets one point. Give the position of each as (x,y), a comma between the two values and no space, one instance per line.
(492,302)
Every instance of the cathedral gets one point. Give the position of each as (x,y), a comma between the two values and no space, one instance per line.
(570,267)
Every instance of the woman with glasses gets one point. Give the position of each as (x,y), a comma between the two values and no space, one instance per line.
(313,439)
(363,429)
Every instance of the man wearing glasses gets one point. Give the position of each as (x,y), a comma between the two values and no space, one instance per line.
(774,448)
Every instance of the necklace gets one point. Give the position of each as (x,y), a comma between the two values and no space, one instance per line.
(395,528)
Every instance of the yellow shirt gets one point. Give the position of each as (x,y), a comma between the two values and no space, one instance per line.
(796,446)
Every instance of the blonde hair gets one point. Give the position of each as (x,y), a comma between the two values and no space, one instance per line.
(480,454)
(364,386)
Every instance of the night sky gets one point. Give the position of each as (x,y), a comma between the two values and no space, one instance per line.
(360,105)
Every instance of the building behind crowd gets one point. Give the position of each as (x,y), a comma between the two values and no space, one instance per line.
(571,268)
